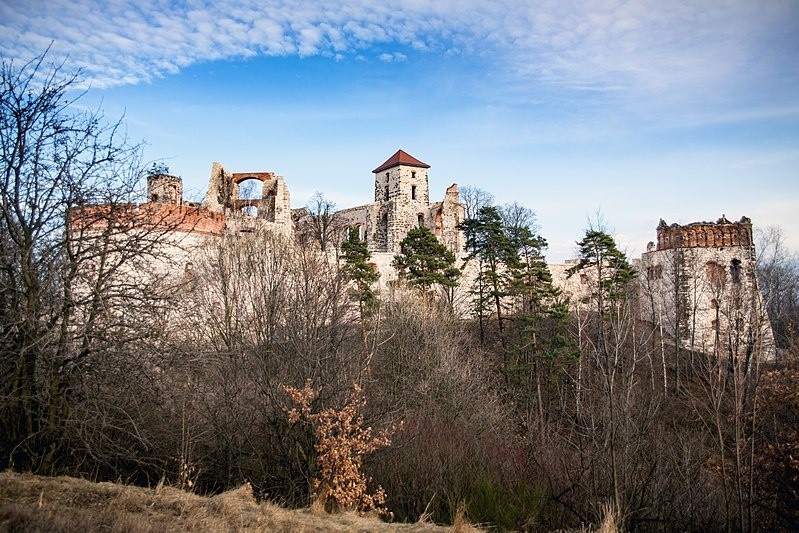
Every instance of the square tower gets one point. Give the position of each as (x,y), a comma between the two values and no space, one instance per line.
(403,195)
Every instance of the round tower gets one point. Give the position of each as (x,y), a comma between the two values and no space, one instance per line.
(164,189)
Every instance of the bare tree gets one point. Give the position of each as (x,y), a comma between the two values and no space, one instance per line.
(778,279)
(68,291)
(259,313)
(322,225)
(475,198)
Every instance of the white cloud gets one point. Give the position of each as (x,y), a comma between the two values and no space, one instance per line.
(648,47)
(390,58)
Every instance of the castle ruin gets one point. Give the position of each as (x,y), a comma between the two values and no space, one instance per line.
(698,281)
(402,201)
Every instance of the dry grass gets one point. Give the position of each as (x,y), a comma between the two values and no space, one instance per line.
(61,504)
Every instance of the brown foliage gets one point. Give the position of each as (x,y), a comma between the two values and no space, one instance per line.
(776,461)
(341,442)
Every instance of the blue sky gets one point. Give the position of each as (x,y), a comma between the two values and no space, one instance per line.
(681,110)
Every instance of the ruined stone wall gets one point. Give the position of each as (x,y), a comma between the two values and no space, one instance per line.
(444,219)
(700,283)
(365,218)
(220,192)
(273,209)
(720,234)
(577,287)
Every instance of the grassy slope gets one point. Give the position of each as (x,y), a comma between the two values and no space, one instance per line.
(34,503)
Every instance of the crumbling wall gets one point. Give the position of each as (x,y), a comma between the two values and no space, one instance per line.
(700,283)
(221,189)
(719,234)
(444,219)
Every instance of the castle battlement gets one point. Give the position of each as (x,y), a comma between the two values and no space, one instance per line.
(719,234)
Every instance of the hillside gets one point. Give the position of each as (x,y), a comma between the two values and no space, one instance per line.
(61,504)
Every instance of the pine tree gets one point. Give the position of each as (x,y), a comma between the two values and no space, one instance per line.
(611,275)
(363,275)
(489,243)
(357,268)
(600,255)
(423,261)
(538,344)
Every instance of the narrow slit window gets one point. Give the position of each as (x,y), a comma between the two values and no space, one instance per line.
(413,192)
(735,270)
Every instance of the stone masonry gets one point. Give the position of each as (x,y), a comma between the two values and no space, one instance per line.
(402,201)
(698,281)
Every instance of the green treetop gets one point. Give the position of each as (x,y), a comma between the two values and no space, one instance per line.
(357,267)
(423,261)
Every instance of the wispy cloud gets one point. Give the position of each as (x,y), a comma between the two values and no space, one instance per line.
(651,47)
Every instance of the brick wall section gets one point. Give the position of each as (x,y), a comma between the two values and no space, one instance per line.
(179,218)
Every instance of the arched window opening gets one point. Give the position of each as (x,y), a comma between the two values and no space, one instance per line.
(250,189)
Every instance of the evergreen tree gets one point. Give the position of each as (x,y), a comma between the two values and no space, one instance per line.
(362,273)
(423,261)
(601,259)
(489,243)
(359,270)
(539,344)
(610,275)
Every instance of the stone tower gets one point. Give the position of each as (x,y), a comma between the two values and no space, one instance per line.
(403,196)
(164,189)
(700,282)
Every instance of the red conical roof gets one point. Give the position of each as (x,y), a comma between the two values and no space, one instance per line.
(401,158)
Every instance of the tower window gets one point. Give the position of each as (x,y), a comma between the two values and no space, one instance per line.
(420,220)
(413,175)
(716,274)
(735,270)
(386,193)
(654,272)
(413,191)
